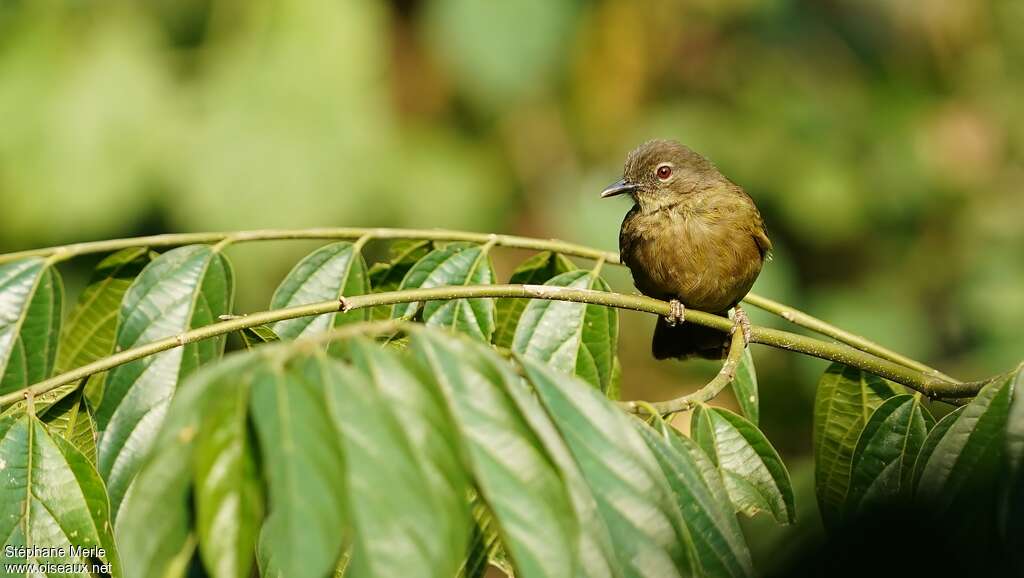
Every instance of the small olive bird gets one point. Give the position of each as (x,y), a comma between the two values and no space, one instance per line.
(694,238)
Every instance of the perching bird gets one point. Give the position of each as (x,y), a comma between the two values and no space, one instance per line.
(693,238)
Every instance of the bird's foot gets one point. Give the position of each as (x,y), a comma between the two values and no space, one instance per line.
(676,313)
(742,322)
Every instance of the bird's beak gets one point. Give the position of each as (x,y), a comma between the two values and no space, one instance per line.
(617,188)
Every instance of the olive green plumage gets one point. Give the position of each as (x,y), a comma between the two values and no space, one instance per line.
(692,235)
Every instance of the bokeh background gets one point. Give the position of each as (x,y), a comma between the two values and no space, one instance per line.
(883,142)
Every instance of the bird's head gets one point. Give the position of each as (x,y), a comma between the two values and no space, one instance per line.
(660,173)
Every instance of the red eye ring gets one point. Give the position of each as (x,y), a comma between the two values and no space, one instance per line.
(664,172)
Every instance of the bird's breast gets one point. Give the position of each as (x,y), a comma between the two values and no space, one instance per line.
(708,261)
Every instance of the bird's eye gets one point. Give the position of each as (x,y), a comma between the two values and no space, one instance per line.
(664,172)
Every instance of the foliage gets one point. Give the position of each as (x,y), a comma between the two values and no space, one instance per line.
(460,431)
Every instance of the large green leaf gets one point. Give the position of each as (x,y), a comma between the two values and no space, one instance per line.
(408,520)
(534,271)
(30,316)
(72,419)
(510,467)
(965,451)
(303,464)
(328,273)
(422,431)
(182,289)
(572,337)
(228,488)
(633,496)
(716,533)
(594,549)
(163,490)
(51,497)
(455,264)
(90,327)
(753,472)
(883,463)
(845,399)
(744,385)
(387,276)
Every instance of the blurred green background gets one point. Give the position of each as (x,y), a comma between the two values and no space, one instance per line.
(883,142)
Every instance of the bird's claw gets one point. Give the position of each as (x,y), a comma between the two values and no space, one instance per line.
(676,313)
(743,323)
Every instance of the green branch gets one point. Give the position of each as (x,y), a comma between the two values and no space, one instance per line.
(920,381)
(802,319)
(64,252)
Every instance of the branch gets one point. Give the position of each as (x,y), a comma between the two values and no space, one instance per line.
(64,252)
(802,319)
(926,384)
(707,393)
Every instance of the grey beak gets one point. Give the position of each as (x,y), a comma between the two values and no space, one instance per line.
(617,188)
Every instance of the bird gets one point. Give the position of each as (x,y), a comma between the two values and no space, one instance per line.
(693,238)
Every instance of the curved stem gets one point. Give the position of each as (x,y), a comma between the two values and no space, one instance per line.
(64,252)
(687,402)
(926,384)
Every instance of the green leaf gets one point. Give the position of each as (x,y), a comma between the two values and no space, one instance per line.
(615,386)
(408,519)
(182,289)
(965,451)
(30,315)
(845,399)
(1011,503)
(71,419)
(744,386)
(510,467)
(455,264)
(400,528)
(935,434)
(89,331)
(883,462)
(716,533)
(534,271)
(303,463)
(571,337)
(51,497)
(163,490)
(633,496)
(387,276)
(596,554)
(90,328)
(42,402)
(259,335)
(228,490)
(326,274)
(753,472)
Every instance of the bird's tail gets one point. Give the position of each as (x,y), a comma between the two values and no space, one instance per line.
(688,340)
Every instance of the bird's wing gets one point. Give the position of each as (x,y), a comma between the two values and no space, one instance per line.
(760,234)
(626,240)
